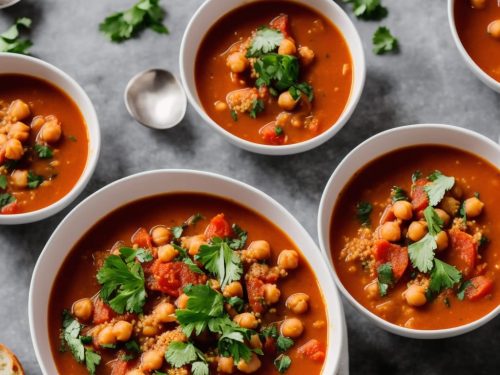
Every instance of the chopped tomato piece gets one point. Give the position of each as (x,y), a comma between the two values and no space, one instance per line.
(142,238)
(270,345)
(479,287)
(218,227)
(119,367)
(255,291)
(397,256)
(419,198)
(102,312)
(462,252)
(387,215)
(312,349)
(282,24)
(172,277)
(11,208)
(273,134)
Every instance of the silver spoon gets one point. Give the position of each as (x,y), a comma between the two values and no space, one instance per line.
(156,99)
(7,3)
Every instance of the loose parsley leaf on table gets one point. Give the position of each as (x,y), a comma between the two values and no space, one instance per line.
(384,41)
(9,40)
(385,278)
(43,152)
(264,41)
(34,180)
(368,9)
(443,276)
(363,211)
(439,185)
(121,26)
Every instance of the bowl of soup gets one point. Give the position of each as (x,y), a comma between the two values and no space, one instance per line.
(49,139)
(273,77)
(183,270)
(475,27)
(409,222)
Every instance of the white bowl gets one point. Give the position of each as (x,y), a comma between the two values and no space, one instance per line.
(471,64)
(211,11)
(7,3)
(21,64)
(145,184)
(371,149)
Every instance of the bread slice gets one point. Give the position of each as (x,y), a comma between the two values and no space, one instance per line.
(9,364)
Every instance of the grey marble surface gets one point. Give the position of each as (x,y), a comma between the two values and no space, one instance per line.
(426,82)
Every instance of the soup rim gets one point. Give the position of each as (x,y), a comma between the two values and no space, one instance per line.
(187,60)
(342,176)
(132,188)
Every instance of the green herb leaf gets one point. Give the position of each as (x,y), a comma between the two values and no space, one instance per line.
(9,40)
(304,88)
(277,71)
(257,107)
(6,199)
(461,290)
(278,130)
(463,213)
(422,253)
(269,332)
(44,152)
(282,363)
(144,14)
(398,194)
(368,9)
(237,303)
(199,368)
(443,276)
(483,241)
(434,222)
(439,185)
(3,182)
(384,41)
(72,138)
(264,41)
(363,211)
(385,278)
(34,180)
(192,220)
(417,175)
(234,115)
(284,343)
(180,354)
(129,254)
(240,240)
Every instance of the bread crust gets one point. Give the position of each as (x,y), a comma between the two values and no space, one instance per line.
(15,366)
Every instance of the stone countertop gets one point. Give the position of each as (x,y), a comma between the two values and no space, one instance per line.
(426,82)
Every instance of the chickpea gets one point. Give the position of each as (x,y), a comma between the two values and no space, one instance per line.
(287,47)
(441,240)
(19,131)
(83,309)
(478,4)
(292,327)
(235,289)
(106,336)
(473,207)
(259,250)
(160,235)
(390,231)
(443,215)
(182,301)
(255,342)
(14,149)
(122,330)
(306,55)
(288,259)
(297,121)
(416,231)
(246,320)
(167,253)
(165,312)
(19,178)
(415,295)
(151,360)
(372,290)
(250,366)
(3,139)
(271,293)
(214,284)
(298,303)
(286,101)
(450,205)
(220,106)
(135,371)
(402,210)
(237,62)
(225,365)
(149,330)
(456,191)
(193,243)
(19,109)
(37,123)
(50,131)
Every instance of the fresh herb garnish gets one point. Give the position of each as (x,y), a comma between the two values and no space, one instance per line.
(129,254)
(422,252)
(234,115)
(463,213)
(398,194)
(434,222)
(3,181)
(10,41)
(443,276)
(385,278)
(446,302)
(304,88)
(264,41)
(278,71)
(284,343)
(72,138)
(417,175)
(184,257)
(121,26)
(6,199)
(439,185)
(371,10)
(282,363)
(44,152)
(363,211)
(462,288)
(278,130)
(180,354)
(257,107)
(384,41)
(34,180)
(192,220)
(236,303)
(483,241)
(240,240)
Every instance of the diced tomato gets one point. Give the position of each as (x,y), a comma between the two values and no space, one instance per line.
(387,215)
(119,367)
(312,349)
(397,256)
(142,238)
(419,198)
(479,287)
(273,134)
(218,227)
(11,208)
(270,345)
(255,291)
(282,24)
(102,312)
(172,277)
(462,252)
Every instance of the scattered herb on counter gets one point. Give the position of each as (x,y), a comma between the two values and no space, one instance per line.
(10,41)
(368,10)
(384,41)
(144,14)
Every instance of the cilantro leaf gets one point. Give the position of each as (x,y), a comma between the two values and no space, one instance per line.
(384,41)
(282,363)
(277,71)
(443,276)
(234,115)
(439,185)
(257,107)
(417,175)
(232,342)
(278,130)
(284,343)
(304,88)
(180,353)
(44,152)
(144,14)
(363,211)
(237,303)
(6,199)
(461,290)
(483,241)
(184,257)
(199,368)
(368,9)
(92,360)
(34,180)
(398,194)
(269,332)
(264,41)
(129,254)
(434,222)
(220,260)
(385,278)
(422,253)
(240,240)
(9,40)
(179,229)
(463,213)
(3,182)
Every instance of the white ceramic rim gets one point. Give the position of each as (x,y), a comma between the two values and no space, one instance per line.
(8,4)
(325,211)
(479,73)
(359,76)
(37,304)
(93,133)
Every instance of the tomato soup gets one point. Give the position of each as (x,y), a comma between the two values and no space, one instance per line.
(274,72)
(414,237)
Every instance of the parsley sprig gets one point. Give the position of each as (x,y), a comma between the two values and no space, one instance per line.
(443,276)
(10,41)
(422,252)
(384,41)
(6,199)
(385,278)
(3,182)
(363,211)
(43,151)
(439,185)
(368,9)
(179,229)
(180,354)
(265,40)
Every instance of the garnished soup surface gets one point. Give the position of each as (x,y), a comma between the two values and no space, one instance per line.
(414,237)
(478,25)
(186,284)
(274,72)
(43,144)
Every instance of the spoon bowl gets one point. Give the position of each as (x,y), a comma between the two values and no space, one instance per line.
(156,99)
